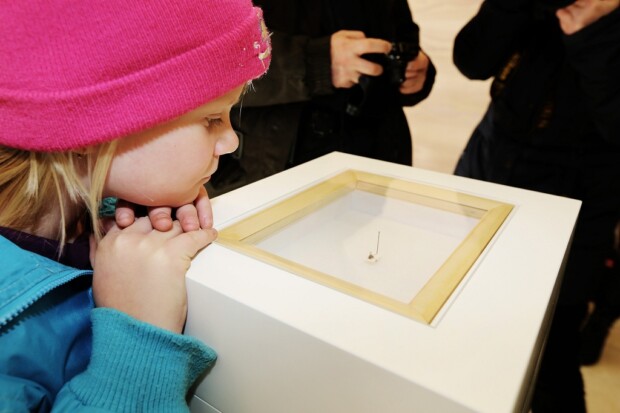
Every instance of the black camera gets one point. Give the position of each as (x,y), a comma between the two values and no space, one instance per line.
(395,62)
(394,67)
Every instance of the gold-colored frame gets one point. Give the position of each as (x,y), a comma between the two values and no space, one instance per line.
(242,235)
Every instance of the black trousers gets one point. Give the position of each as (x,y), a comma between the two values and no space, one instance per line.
(559,384)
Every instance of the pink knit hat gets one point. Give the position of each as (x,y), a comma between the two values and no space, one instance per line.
(78,73)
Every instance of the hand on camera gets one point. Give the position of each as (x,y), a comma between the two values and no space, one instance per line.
(347,47)
(415,75)
(583,13)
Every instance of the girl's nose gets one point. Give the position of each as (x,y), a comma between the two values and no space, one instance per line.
(227,142)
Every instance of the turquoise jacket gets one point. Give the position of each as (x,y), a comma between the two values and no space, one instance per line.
(58,352)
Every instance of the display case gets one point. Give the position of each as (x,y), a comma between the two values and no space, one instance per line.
(398,244)
(350,284)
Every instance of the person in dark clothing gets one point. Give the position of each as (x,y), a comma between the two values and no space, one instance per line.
(553,126)
(329,88)
(606,303)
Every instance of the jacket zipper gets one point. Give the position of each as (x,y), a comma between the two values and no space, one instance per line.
(57,283)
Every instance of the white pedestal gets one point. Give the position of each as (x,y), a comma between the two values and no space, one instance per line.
(287,344)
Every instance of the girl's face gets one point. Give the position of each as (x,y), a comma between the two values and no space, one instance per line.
(168,164)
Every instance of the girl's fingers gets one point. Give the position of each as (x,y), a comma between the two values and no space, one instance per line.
(109,225)
(189,243)
(161,218)
(205,212)
(124,213)
(141,225)
(188,217)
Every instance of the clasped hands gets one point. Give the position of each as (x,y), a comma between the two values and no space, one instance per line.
(347,63)
(191,217)
(140,263)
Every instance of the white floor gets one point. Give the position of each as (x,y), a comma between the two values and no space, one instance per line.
(441,126)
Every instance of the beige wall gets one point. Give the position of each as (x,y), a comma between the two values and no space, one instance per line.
(442,123)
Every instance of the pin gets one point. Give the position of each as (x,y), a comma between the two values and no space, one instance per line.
(375,257)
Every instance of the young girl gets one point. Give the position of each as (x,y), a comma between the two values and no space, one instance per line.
(110,99)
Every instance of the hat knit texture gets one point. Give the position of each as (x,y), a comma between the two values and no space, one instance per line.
(78,73)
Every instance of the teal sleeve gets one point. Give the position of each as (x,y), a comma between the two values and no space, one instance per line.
(134,367)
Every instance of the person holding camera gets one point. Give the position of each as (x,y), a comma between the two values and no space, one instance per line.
(552,126)
(340,76)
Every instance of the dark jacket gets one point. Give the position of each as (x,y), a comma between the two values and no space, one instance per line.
(553,126)
(554,121)
(294,114)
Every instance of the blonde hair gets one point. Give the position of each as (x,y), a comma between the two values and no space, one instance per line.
(35,184)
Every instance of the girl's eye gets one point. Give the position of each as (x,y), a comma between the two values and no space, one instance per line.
(213,122)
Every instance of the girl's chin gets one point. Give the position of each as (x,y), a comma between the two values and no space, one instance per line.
(188,199)
(165,200)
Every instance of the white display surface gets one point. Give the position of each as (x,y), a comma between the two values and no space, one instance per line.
(287,344)
(341,239)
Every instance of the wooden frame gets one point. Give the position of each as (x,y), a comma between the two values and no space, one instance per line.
(424,306)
